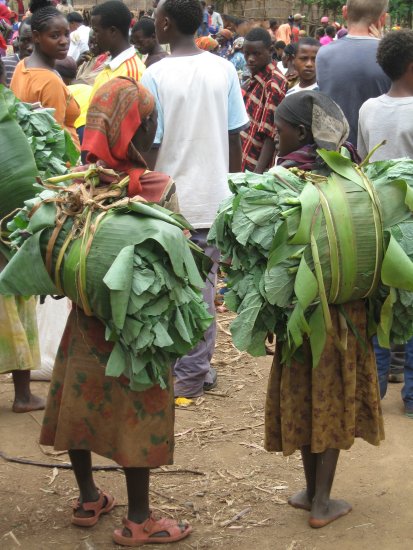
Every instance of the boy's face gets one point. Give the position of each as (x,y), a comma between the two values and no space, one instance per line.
(304,62)
(257,56)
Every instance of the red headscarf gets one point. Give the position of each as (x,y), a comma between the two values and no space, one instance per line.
(115,114)
(7,14)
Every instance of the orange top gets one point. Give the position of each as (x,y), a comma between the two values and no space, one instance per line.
(45,86)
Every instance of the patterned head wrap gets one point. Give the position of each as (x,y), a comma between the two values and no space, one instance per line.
(319,113)
(207,43)
(114,116)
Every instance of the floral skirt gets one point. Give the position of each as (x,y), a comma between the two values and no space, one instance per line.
(88,410)
(327,406)
(19,343)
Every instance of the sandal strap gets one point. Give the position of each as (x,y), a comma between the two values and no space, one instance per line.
(93,506)
(152,526)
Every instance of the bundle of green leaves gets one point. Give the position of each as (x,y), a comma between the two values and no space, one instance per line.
(130,265)
(294,242)
(52,147)
(32,145)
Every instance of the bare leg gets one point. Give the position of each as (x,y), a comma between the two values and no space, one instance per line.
(325,510)
(137,484)
(82,468)
(24,400)
(304,498)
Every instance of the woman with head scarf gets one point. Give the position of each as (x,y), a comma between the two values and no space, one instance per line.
(207,43)
(321,410)
(306,123)
(237,58)
(86,410)
(224,39)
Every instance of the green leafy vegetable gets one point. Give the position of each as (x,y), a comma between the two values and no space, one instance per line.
(294,242)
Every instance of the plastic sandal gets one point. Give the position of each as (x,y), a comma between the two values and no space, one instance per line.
(145,533)
(98,508)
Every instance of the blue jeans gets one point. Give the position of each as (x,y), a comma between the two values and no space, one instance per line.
(383,361)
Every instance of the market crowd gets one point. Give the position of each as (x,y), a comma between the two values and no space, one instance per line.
(201,94)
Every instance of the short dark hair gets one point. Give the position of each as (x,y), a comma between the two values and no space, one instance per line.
(330,30)
(258,34)
(320,31)
(114,14)
(273,22)
(146,25)
(279,44)
(395,52)
(290,49)
(187,14)
(308,41)
(74,17)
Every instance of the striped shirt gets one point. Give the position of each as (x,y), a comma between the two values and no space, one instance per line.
(126,63)
(10,63)
(263,94)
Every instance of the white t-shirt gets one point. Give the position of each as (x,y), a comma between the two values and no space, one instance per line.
(298,88)
(199,101)
(79,42)
(386,118)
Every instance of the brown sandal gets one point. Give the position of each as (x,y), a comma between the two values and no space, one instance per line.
(145,533)
(102,505)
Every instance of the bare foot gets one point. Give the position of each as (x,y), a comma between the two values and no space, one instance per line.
(300,500)
(34,403)
(322,515)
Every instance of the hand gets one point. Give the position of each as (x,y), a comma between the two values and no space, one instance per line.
(86,56)
(375,32)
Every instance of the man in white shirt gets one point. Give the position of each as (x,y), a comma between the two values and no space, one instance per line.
(200,116)
(79,35)
(215,19)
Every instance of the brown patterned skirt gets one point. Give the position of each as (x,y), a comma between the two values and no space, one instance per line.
(326,407)
(88,410)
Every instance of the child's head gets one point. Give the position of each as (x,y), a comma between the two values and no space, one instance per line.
(320,32)
(304,60)
(331,31)
(279,48)
(395,56)
(257,49)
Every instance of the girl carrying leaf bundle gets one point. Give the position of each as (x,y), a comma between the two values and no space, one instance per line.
(86,410)
(321,410)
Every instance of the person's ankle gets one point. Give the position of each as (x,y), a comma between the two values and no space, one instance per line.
(138,516)
(89,494)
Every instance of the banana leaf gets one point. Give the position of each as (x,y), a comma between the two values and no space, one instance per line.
(125,262)
(32,145)
(18,167)
(294,242)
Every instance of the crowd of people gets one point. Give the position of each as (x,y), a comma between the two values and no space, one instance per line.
(198,94)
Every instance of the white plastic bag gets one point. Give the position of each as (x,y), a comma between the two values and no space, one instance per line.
(51,321)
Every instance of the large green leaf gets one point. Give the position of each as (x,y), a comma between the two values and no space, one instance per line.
(18,168)
(397,268)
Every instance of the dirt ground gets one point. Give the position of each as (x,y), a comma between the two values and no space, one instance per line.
(221,470)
